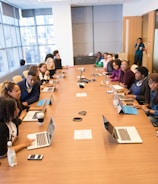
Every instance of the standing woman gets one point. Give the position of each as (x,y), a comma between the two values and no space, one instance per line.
(139,48)
(151,109)
(8,129)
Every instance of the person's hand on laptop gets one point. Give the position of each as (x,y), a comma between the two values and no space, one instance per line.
(28,142)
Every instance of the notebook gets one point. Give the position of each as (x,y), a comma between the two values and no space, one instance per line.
(48,89)
(122,135)
(32,115)
(42,139)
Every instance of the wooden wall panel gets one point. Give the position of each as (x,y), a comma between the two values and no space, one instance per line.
(132,29)
(139,26)
(150,40)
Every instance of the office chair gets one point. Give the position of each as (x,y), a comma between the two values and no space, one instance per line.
(25,73)
(133,67)
(1,84)
(17,78)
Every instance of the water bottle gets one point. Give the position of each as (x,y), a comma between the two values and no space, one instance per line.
(107,80)
(115,100)
(11,155)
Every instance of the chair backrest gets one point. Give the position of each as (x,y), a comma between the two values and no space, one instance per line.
(25,73)
(133,67)
(123,55)
(17,78)
(1,84)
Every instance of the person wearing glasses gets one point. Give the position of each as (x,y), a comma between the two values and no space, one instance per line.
(151,108)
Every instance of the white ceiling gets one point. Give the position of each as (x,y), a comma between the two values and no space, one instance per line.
(32,4)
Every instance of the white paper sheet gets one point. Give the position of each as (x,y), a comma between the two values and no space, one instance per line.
(83,134)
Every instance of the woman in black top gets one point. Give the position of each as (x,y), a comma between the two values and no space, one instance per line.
(8,129)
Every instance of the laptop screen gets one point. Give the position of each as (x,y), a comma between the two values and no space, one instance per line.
(109,127)
(50,130)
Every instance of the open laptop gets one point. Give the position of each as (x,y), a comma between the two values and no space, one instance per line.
(122,135)
(117,88)
(32,115)
(42,139)
(50,101)
(48,89)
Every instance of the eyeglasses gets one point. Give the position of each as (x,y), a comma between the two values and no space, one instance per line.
(151,82)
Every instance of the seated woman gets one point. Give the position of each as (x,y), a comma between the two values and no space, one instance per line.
(151,108)
(140,89)
(12,90)
(116,70)
(43,73)
(99,61)
(8,129)
(50,64)
(127,77)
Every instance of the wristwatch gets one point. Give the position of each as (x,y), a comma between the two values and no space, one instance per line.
(148,112)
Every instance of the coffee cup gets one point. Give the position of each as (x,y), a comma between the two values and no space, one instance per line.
(40,117)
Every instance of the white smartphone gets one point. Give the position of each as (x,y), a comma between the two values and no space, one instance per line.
(35,157)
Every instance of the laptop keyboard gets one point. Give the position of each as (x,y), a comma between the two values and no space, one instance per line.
(123,134)
(50,89)
(41,139)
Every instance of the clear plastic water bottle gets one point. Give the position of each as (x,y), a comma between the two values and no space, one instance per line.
(107,80)
(11,154)
(115,100)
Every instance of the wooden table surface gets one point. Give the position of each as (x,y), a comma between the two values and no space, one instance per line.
(99,160)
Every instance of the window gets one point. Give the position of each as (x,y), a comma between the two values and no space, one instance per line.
(10,43)
(28,36)
(37,34)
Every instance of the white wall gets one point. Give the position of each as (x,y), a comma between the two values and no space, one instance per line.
(63,33)
(137,8)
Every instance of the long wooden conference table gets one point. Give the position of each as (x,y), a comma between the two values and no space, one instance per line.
(99,160)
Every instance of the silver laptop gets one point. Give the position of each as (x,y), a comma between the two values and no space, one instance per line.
(42,139)
(32,115)
(122,135)
(48,89)
(50,101)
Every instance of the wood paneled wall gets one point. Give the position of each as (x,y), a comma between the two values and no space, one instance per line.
(133,29)
(150,40)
